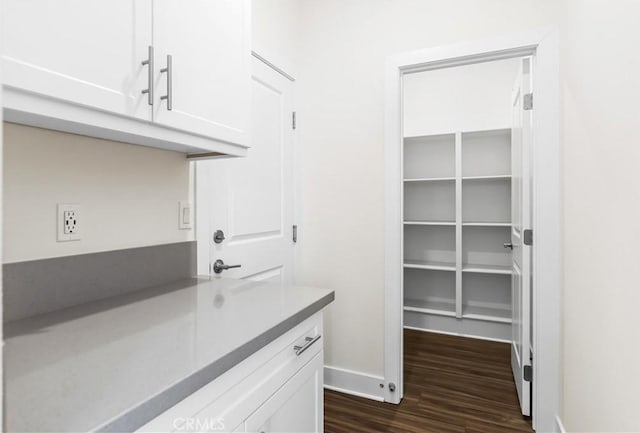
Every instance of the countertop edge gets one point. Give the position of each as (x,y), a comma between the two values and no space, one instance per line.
(141,414)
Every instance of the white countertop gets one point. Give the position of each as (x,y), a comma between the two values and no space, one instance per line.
(89,366)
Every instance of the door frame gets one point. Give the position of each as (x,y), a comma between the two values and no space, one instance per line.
(543,44)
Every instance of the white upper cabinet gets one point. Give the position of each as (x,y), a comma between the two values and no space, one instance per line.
(85,52)
(206,84)
(81,66)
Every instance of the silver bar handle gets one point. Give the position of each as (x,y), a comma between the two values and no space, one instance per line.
(149,90)
(309,342)
(169,70)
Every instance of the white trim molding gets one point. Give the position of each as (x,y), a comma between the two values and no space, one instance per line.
(354,383)
(544,46)
(273,66)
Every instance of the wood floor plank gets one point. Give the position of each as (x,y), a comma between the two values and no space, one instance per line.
(452,385)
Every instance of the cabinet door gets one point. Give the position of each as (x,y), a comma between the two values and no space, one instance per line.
(87,52)
(297,407)
(208,81)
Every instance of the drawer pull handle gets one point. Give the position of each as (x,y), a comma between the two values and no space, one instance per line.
(309,342)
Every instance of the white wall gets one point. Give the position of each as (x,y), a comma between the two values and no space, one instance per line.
(275,32)
(602,211)
(465,98)
(341,88)
(341,50)
(341,107)
(129,194)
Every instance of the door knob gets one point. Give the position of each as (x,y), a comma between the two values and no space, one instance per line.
(219,266)
(508,245)
(218,236)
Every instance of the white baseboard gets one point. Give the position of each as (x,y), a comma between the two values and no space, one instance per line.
(559,427)
(354,383)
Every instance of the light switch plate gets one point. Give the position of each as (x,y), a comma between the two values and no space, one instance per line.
(185,215)
(69,222)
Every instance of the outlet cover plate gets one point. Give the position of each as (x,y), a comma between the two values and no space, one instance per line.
(69,222)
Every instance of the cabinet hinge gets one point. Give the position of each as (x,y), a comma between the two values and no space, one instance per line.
(295,233)
(528,373)
(527,237)
(293,120)
(527,102)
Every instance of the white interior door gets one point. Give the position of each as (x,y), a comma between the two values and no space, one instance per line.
(251,199)
(521,218)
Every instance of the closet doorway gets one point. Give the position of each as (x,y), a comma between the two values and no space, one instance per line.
(470,215)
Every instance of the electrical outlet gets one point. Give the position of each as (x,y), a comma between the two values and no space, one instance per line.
(68,221)
(184,215)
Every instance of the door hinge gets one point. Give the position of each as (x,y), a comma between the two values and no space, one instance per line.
(528,373)
(293,120)
(527,102)
(527,237)
(295,233)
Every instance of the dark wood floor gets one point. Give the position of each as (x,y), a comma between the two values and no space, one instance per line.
(452,384)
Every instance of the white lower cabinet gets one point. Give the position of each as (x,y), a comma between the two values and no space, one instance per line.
(277,389)
(296,407)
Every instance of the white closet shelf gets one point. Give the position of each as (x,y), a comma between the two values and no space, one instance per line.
(429,265)
(432,179)
(489,314)
(438,308)
(494,177)
(484,224)
(487,269)
(429,223)
(457,203)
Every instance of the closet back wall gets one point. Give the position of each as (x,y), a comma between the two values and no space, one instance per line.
(466,98)
(129,194)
